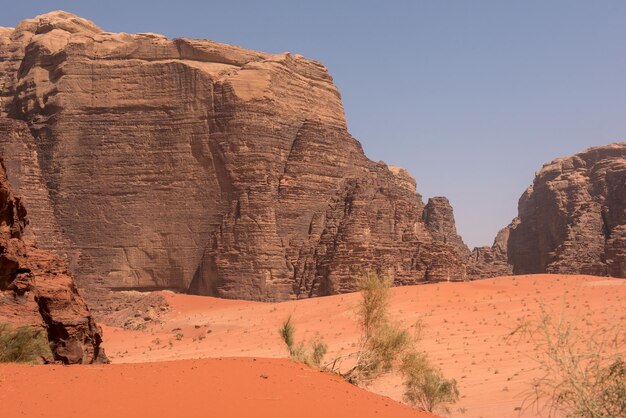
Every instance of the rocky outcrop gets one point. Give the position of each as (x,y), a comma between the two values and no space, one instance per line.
(573,218)
(486,262)
(197,166)
(36,289)
(439,219)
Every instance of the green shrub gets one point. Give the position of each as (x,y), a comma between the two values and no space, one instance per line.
(386,345)
(312,356)
(287,333)
(383,347)
(382,342)
(374,306)
(381,352)
(425,385)
(23,344)
(319,349)
(580,375)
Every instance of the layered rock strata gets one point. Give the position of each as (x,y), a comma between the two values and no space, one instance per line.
(571,220)
(197,166)
(36,289)
(486,262)
(439,219)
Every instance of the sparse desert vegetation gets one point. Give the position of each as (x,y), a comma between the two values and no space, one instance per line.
(425,385)
(384,345)
(582,374)
(310,353)
(461,331)
(23,344)
(137,170)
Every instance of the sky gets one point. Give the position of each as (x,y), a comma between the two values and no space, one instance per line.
(472,97)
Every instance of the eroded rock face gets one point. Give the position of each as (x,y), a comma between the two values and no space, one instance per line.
(439,220)
(197,166)
(36,289)
(486,262)
(572,219)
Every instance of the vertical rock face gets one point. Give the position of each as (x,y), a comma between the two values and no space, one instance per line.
(197,166)
(486,262)
(572,220)
(439,220)
(36,290)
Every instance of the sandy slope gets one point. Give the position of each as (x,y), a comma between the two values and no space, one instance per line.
(228,388)
(466,329)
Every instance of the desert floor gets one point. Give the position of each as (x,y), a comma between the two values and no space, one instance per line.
(465,331)
(227,387)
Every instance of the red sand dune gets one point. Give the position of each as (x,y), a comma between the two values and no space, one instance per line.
(229,388)
(466,325)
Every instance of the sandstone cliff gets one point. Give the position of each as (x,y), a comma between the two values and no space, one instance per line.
(571,220)
(36,290)
(486,262)
(439,219)
(197,166)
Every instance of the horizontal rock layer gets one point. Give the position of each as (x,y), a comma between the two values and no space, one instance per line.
(197,166)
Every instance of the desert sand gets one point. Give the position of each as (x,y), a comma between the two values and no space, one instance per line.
(465,332)
(223,387)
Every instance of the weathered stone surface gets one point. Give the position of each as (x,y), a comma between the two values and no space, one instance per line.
(572,220)
(486,262)
(21,160)
(36,290)
(439,220)
(202,167)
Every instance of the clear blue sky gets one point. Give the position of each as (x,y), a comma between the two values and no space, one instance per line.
(470,96)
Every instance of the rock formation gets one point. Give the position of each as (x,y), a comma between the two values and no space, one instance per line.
(197,166)
(439,219)
(486,262)
(36,290)
(572,220)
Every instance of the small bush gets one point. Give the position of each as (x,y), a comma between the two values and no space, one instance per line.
(385,346)
(425,385)
(374,306)
(23,344)
(319,349)
(287,333)
(312,356)
(581,375)
(381,342)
